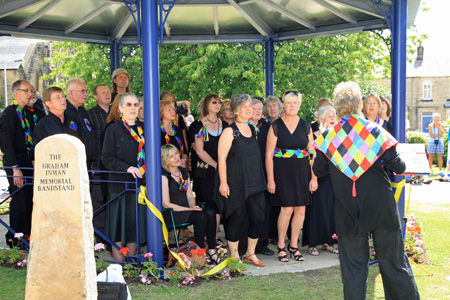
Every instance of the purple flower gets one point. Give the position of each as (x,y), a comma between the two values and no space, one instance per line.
(18,235)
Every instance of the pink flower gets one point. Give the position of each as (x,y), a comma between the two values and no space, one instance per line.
(334,236)
(148,255)
(18,235)
(222,251)
(24,261)
(19,263)
(99,246)
(143,278)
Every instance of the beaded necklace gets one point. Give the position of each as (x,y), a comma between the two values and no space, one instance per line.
(167,138)
(139,137)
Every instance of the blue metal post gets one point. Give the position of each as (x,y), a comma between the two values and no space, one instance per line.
(150,60)
(115,55)
(269,65)
(399,17)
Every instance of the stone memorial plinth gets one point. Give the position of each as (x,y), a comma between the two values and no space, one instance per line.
(61,260)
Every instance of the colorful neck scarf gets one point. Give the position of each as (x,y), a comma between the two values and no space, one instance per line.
(26,126)
(203,134)
(167,138)
(288,153)
(139,137)
(88,125)
(354,145)
(183,184)
(239,122)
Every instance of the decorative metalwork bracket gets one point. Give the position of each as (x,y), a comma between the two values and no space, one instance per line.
(277,47)
(387,14)
(262,52)
(163,14)
(135,9)
(387,40)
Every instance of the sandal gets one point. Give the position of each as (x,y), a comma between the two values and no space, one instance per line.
(298,257)
(330,249)
(313,251)
(255,262)
(210,260)
(282,258)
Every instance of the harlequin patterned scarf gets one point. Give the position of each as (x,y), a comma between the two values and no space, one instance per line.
(139,137)
(354,145)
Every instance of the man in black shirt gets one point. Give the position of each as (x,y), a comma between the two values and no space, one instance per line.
(56,122)
(16,124)
(77,93)
(97,116)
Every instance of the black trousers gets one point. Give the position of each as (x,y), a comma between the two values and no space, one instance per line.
(20,210)
(398,278)
(263,240)
(249,210)
(204,225)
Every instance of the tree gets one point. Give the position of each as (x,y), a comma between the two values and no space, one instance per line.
(313,66)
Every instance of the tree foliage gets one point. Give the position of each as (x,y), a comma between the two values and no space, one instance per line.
(312,66)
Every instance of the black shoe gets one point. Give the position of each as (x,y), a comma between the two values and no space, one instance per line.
(273,241)
(265,251)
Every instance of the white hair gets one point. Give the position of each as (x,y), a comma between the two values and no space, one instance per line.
(70,84)
(322,111)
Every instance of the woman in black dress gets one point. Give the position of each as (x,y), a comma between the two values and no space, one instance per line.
(241,180)
(372,110)
(319,227)
(208,131)
(288,151)
(123,150)
(177,194)
(170,133)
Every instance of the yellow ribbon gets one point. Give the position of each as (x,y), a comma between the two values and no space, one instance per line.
(398,186)
(142,199)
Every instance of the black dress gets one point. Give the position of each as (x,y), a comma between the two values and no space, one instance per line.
(177,197)
(292,175)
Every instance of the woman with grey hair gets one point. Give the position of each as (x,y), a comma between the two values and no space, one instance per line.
(435,144)
(355,154)
(272,108)
(288,153)
(319,227)
(123,150)
(241,178)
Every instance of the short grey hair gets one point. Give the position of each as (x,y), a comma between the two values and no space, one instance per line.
(70,84)
(238,100)
(257,101)
(292,94)
(436,115)
(126,95)
(16,85)
(275,100)
(347,99)
(321,112)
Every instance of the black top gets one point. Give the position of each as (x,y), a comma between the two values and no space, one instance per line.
(173,140)
(177,196)
(80,117)
(295,140)
(51,125)
(119,152)
(97,116)
(374,206)
(245,175)
(12,136)
(263,129)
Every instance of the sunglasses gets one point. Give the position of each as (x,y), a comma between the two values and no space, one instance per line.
(215,102)
(128,104)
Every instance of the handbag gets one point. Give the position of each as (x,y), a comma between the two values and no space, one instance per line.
(111,290)
(436,141)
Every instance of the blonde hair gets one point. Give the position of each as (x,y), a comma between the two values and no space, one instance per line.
(165,152)
(163,104)
(275,100)
(347,99)
(225,102)
(287,96)
(376,97)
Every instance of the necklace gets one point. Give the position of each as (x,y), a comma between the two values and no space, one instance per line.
(217,119)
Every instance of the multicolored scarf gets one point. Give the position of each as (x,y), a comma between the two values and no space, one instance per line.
(139,137)
(88,124)
(288,153)
(26,126)
(203,134)
(354,145)
(167,138)
(183,184)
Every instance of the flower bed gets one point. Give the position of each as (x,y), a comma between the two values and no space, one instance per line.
(414,245)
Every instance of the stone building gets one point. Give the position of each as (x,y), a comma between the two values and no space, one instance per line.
(23,59)
(427,91)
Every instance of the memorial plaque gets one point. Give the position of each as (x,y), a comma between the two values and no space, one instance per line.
(61,260)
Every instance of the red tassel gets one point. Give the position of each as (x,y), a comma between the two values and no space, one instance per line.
(354,189)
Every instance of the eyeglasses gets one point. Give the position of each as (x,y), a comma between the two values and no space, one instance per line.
(82,91)
(59,97)
(291,91)
(215,102)
(27,91)
(128,104)
(227,109)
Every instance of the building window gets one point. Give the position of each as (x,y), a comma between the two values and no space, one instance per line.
(427,88)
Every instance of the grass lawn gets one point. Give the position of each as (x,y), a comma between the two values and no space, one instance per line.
(317,284)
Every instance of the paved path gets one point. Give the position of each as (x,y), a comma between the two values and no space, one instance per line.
(421,196)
